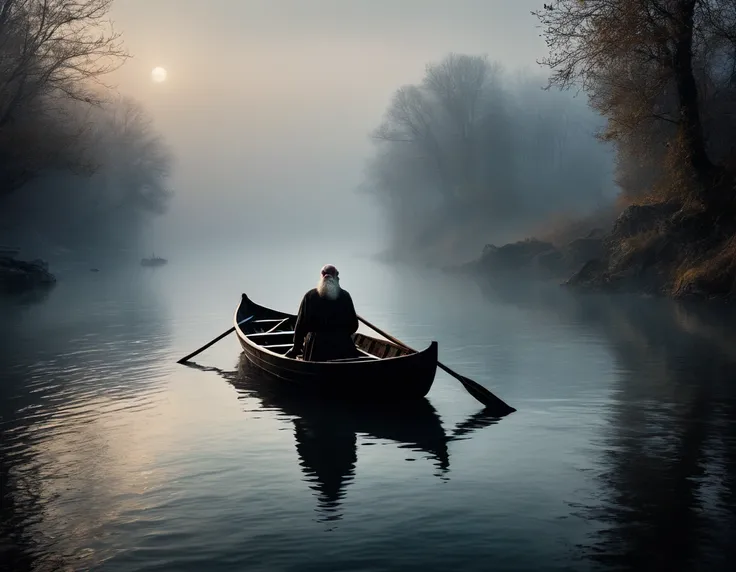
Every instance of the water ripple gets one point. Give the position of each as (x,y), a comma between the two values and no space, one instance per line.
(115,458)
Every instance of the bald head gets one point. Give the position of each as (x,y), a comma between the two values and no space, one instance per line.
(329,282)
(329,270)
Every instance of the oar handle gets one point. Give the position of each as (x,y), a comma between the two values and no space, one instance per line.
(403,345)
(389,337)
(480,393)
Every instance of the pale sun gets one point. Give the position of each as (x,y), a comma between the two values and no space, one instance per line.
(158,74)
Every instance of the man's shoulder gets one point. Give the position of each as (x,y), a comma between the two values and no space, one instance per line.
(314,293)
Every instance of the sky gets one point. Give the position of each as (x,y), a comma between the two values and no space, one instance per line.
(268,104)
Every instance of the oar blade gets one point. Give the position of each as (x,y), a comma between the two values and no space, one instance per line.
(480,393)
(487,398)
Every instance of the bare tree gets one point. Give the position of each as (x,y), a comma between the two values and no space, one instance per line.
(444,117)
(130,153)
(458,86)
(53,55)
(458,83)
(638,61)
(465,148)
(411,119)
(54,48)
(38,142)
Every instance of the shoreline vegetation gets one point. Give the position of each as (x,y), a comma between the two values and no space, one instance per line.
(661,249)
(82,170)
(463,146)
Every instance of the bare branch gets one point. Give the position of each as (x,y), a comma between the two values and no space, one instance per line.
(55,48)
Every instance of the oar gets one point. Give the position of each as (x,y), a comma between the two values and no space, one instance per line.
(476,390)
(217,339)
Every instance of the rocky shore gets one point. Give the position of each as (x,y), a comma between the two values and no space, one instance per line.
(664,249)
(18,277)
(534,258)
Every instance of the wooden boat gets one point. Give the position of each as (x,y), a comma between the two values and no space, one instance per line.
(381,370)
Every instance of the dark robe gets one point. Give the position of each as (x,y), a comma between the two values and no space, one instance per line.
(324,327)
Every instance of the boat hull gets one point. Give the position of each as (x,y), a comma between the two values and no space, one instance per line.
(396,374)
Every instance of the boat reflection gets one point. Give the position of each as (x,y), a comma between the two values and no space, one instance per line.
(326,431)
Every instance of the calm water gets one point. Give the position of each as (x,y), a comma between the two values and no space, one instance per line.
(622,454)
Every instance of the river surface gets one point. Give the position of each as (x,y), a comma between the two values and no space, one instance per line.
(622,454)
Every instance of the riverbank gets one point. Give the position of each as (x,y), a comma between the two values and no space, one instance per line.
(18,277)
(663,249)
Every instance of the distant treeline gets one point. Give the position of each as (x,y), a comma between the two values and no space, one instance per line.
(473,150)
(80,167)
(470,150)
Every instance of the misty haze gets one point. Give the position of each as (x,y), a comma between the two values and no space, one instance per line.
(526,210)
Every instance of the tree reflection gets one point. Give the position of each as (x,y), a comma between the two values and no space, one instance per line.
(326,431)
(666,460)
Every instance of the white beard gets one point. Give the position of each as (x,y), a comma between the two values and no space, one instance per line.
(328,287)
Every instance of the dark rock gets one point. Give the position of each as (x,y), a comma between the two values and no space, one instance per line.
(540,258)
(18,276)
(550,263)
(627,258)
(590,275)
(638,219)
(514,256)
(581,250)
(537,258)
(660,249)
(665,250)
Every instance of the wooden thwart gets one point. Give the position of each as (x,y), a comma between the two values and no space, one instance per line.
(268,334)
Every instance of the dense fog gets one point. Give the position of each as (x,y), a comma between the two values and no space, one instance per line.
(474,153)
(263,134)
